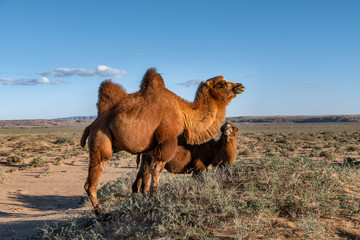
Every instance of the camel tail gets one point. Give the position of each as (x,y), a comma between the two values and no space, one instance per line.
(109,95)
(138,160)
(85,136)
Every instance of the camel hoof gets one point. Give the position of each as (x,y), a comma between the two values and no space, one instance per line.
(97,212)
(104,217)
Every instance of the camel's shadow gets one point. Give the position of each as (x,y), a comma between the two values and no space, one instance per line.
(49,202)
(43,205)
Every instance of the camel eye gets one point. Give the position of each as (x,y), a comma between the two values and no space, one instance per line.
(221,85)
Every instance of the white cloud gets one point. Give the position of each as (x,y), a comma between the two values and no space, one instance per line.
(190,83)
(101,70)
(105,71)
(66,72)
(6,81)
(42,80)
(25,81)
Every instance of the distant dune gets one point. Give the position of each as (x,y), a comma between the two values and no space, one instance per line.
(298,119)
(45,123)
(83,121)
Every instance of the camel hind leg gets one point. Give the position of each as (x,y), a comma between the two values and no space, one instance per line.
(139,177)
(100,155)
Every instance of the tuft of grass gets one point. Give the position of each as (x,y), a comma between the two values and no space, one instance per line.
(2,179)
(246,152)
(62,140)
(327,155)
(38,162)
(14,159)
(351,148)
(122,154)
(243,201)
(4,153)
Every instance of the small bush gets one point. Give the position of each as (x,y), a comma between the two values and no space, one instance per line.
(61,140)
(314,153)
(14,159)
(120,155)
(5,153)
(327,155)
(37,162)
(351,148)
(246,152)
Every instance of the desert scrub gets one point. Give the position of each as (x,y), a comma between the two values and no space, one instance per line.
(2,178)
(327,155)
(62,140)
(14,159)
(38,162)
(243,201)
(4,153)
(351,148)
(314,153)
(115,191)
(120,155)
(246,152)
(290,147)
(73,152)
(285,153)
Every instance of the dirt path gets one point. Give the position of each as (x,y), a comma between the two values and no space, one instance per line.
(32,197)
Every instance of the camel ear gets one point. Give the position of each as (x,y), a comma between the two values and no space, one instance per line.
(236,129)
(209,83)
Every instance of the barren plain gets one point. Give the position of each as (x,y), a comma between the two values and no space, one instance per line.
(43,169)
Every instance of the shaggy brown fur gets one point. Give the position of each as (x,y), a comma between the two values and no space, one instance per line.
(193,158)
(150,120)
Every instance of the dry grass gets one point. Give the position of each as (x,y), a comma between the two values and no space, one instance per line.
(25,148)
(297,181)
(270,198)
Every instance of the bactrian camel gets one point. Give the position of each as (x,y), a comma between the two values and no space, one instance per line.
(150,120)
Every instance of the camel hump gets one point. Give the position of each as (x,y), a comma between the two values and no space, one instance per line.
(151,79)
(109,95)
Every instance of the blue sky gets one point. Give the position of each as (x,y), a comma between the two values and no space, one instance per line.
(294,57)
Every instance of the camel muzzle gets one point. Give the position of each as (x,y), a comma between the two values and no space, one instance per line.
(239,88)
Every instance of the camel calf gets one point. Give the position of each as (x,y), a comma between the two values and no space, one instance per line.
(192,158)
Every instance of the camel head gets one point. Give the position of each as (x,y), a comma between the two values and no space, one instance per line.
(229,130)
(223,90)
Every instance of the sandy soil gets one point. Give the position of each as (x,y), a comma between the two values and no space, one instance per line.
(33,197)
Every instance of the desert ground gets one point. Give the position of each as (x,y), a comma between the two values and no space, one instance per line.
(43,169)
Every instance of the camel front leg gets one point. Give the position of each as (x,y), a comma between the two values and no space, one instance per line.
(156,169)
(146,175)
(146,181)
(162,154)
(143,177)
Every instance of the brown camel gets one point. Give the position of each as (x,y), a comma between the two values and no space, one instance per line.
(150,120)
(192,158)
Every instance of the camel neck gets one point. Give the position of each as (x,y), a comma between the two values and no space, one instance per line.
(203,117)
